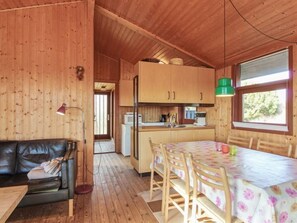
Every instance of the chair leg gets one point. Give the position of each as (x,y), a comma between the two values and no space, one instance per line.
(186,209)
(151,185)
(163,194)
(167,190)
(70,207)
(194,207)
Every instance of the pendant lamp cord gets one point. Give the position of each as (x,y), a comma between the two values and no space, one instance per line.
(224,38)
(255,28)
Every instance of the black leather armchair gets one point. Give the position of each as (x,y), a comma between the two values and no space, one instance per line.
(17,158)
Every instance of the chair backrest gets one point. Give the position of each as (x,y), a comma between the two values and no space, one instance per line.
(240,141)
(156,150)
(275,148)
(177,161)
(215,178)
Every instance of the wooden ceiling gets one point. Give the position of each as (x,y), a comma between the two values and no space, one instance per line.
(14,4)
(189,29)
(192,30)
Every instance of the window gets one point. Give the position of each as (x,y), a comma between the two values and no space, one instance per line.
(263,99)
(190,112)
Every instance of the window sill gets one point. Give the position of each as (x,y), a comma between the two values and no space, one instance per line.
(262,127)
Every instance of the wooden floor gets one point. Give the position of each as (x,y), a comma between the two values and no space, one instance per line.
(104,146)
(114,198)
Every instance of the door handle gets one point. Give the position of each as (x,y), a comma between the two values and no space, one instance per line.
(107,117)
(173,95)
(168,95)
(201,96)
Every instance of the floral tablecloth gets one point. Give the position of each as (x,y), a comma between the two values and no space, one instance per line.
(263,185)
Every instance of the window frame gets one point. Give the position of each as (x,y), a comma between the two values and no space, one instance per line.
(281,84)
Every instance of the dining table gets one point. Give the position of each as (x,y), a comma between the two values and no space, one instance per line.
(263,186)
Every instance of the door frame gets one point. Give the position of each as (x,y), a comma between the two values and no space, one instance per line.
(109,112)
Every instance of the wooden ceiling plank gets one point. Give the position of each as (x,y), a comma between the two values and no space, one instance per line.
(19,5)
(145,32)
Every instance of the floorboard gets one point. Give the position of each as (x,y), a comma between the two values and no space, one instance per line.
(114,198)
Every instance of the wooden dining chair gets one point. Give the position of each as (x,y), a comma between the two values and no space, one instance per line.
(275,148)
(217,179)
(180,198)
(155,182)
(240,141)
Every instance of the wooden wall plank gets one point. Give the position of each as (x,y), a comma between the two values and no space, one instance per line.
(39,49)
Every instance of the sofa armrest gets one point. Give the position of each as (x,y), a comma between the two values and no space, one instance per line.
(68,172)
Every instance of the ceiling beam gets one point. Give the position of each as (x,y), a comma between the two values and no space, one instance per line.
(39,6)
(146,33)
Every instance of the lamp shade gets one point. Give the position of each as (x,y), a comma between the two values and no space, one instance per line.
(224,88)
(62,109)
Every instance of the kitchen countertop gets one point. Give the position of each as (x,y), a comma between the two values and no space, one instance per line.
(177,128)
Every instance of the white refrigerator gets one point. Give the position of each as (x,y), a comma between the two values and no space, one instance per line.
(126,139)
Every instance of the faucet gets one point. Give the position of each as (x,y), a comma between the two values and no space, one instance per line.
(172,121)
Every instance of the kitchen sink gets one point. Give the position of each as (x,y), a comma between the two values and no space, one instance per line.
(176,126)
(179,126)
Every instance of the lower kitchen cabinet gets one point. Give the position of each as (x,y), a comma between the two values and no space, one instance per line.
(142,165)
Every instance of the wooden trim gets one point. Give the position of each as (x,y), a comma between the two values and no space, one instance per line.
(89,51)
(146,33)
(262,130)
(290,92)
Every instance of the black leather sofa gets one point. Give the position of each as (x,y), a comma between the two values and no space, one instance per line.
(17,158)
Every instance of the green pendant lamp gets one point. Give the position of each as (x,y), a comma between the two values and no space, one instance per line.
(225,89)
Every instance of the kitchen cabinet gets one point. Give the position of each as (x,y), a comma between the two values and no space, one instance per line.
(126,93)
(184,84)
(142,165)
(153,82)
(161,83)
(206,85)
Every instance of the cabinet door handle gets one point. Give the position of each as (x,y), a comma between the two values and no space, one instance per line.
(168,95)
(173,95)
(201,96)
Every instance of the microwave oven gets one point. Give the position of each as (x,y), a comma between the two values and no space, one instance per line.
(128,119)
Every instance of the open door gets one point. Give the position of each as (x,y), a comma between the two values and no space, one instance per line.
(102,115)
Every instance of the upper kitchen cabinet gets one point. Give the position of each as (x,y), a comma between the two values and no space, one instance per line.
(126,93)
(206,85)
(153,82)
(160,83)
(183,84)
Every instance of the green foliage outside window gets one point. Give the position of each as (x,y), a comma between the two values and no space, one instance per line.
(260,106)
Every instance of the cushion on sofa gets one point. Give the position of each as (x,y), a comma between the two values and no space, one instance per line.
(7,157)
(3,179)
(44,185)
(14,180)
(32,153)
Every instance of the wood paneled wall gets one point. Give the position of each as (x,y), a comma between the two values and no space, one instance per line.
(106,69)
(221,115)
(39,50)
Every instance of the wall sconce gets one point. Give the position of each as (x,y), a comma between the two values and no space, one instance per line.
(80,70)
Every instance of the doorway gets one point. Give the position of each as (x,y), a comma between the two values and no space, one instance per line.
(104,117)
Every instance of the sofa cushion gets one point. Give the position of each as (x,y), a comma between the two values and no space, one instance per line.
(4,179)
(44,185)
(7,157)
(34,186)
(14,180)
(32,153)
